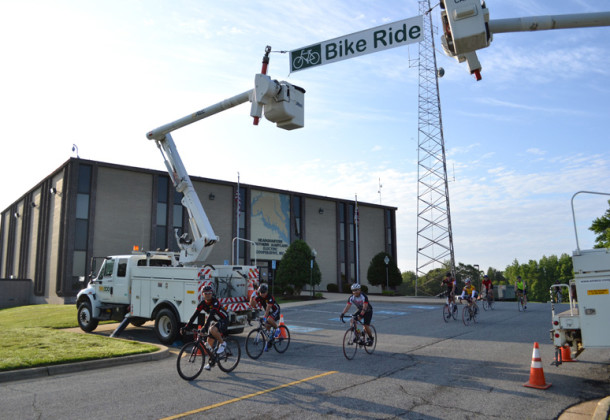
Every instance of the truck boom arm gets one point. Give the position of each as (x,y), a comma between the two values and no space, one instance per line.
(282,104)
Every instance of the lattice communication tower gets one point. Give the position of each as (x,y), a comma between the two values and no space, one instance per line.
(434,236)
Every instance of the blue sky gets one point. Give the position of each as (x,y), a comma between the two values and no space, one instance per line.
(519,143)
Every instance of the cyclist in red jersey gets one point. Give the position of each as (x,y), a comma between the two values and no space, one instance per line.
(489,290)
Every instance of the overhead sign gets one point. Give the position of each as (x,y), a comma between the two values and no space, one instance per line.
(384,37)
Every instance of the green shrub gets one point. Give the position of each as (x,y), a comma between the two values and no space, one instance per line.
(319,295)
(388,293)
(289,290)
(332,288)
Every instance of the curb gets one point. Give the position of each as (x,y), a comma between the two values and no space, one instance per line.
(602,411)
(37,372)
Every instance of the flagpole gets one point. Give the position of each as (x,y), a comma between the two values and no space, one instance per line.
(238,205)
(356,221)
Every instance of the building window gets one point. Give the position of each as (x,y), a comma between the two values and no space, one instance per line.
(389,226)
(177,218)
(241,207)
(162,210)
(81,225)
(297,232)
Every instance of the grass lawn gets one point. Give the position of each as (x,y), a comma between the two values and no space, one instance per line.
(32,336)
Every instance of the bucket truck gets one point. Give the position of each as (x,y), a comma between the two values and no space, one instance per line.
(165,286)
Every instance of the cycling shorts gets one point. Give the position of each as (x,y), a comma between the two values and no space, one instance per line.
(221,324)
(275,314)
(366,318)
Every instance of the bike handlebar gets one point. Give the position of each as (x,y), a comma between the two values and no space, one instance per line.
(354,315)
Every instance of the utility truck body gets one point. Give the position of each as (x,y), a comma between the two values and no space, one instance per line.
(587,323)
(145,286)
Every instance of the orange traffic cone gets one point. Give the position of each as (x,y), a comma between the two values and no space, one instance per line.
(282,330)
(566,354)
(536,372)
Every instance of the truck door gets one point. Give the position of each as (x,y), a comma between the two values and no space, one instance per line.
(105,281)
(121,292)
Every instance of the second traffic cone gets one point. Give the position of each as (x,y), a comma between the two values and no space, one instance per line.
(536,372)
(282,330)
(566,354)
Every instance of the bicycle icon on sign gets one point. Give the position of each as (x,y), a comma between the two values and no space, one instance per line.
(309,57)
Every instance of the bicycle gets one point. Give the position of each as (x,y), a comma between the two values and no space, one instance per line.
(520,305)
(355,337)
(450,310)
(308,57)
(191,357)
(470,313)
(488,302)
(260,339)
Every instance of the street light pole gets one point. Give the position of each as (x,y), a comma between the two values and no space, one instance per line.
(313,258)
(386,260)
(476,266)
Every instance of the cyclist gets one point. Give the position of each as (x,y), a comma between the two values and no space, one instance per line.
(263,299)
(365,309)
(449,282)
(469,293)
(489,290)
(521,290)
(217,320)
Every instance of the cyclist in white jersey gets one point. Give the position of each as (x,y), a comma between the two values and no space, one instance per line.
(365,309)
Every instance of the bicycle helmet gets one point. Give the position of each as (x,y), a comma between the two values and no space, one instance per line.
(263,288)
(467,281)
(208,289)
(355,286)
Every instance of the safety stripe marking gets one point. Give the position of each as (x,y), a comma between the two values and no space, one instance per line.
(245,397)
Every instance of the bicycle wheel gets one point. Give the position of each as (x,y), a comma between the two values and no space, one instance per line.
(349,344)
(255,343)
(191,359)
(491,303)
(229,360)
(485,304)
(281,343)
(475,312)
(446,312)
(454,311)
(466,316)
(370,349)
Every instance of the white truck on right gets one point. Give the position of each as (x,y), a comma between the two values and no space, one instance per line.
(587,323)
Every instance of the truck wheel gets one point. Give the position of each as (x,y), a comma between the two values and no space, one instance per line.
(85,317)
(166,326)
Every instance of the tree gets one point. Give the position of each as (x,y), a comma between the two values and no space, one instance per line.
(601,226)
(295,267)
(408,283)
(539,276)
(376,274)
(430,283)
(496,277)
